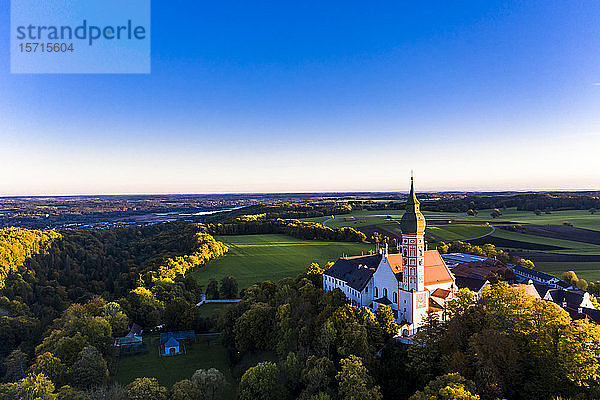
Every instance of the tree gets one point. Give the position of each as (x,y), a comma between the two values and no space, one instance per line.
(314,269)
(212,289)
(497,362)
(495,213)
(525,263)
(394,245)
(90,369)
(582,284)
(118,320)
(460,302)
(577,347)
(229,288)
(144,308)
(328,335)
(16,365)
(570,277)
(178,314)
(318,375)
(447,387)
(50,366)
(113,392)
(320,396)
(185,390)
(68,393)
(386,320)
(255,328)
(292,371)
(354,381)
(210,383)
(261,382)
(32,387)
(146,389)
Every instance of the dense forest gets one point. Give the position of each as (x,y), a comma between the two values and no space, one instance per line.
(65,295)
(523,202)
(508,345)
(260,224)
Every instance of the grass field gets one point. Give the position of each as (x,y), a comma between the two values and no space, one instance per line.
(587,270)
(579,218)
(255,258)
(569,246)
(206,353)
(208,309)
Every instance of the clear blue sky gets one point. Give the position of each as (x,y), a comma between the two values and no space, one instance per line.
(320,96)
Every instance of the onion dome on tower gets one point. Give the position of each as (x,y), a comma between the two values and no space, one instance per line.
(412,222)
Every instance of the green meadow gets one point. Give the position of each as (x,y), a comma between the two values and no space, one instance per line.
(207,352)
(255,258)
(579,218)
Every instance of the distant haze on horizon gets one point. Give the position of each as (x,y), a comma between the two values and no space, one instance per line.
(313,97)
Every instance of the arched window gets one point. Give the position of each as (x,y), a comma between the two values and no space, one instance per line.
(395,297)
(375,291)
(384,292)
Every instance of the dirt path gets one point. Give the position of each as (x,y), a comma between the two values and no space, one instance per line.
(482,236)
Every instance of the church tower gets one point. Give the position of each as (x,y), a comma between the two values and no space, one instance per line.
(412,225)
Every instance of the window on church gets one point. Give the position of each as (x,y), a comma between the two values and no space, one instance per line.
(375,291)
(384,292)
(395,297)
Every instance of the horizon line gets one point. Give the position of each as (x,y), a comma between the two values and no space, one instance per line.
(302,192)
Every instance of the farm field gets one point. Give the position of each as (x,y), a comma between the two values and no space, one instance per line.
(255,258)
(553,249)
(563,246)
(590,271)
(579,218)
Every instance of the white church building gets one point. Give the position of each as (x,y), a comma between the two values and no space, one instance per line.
(410,283)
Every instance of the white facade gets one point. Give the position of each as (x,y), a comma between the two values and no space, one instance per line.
(362,298)
(410,306)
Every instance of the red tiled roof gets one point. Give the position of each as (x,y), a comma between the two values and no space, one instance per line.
(395,261)
(440,293)
(436,270)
